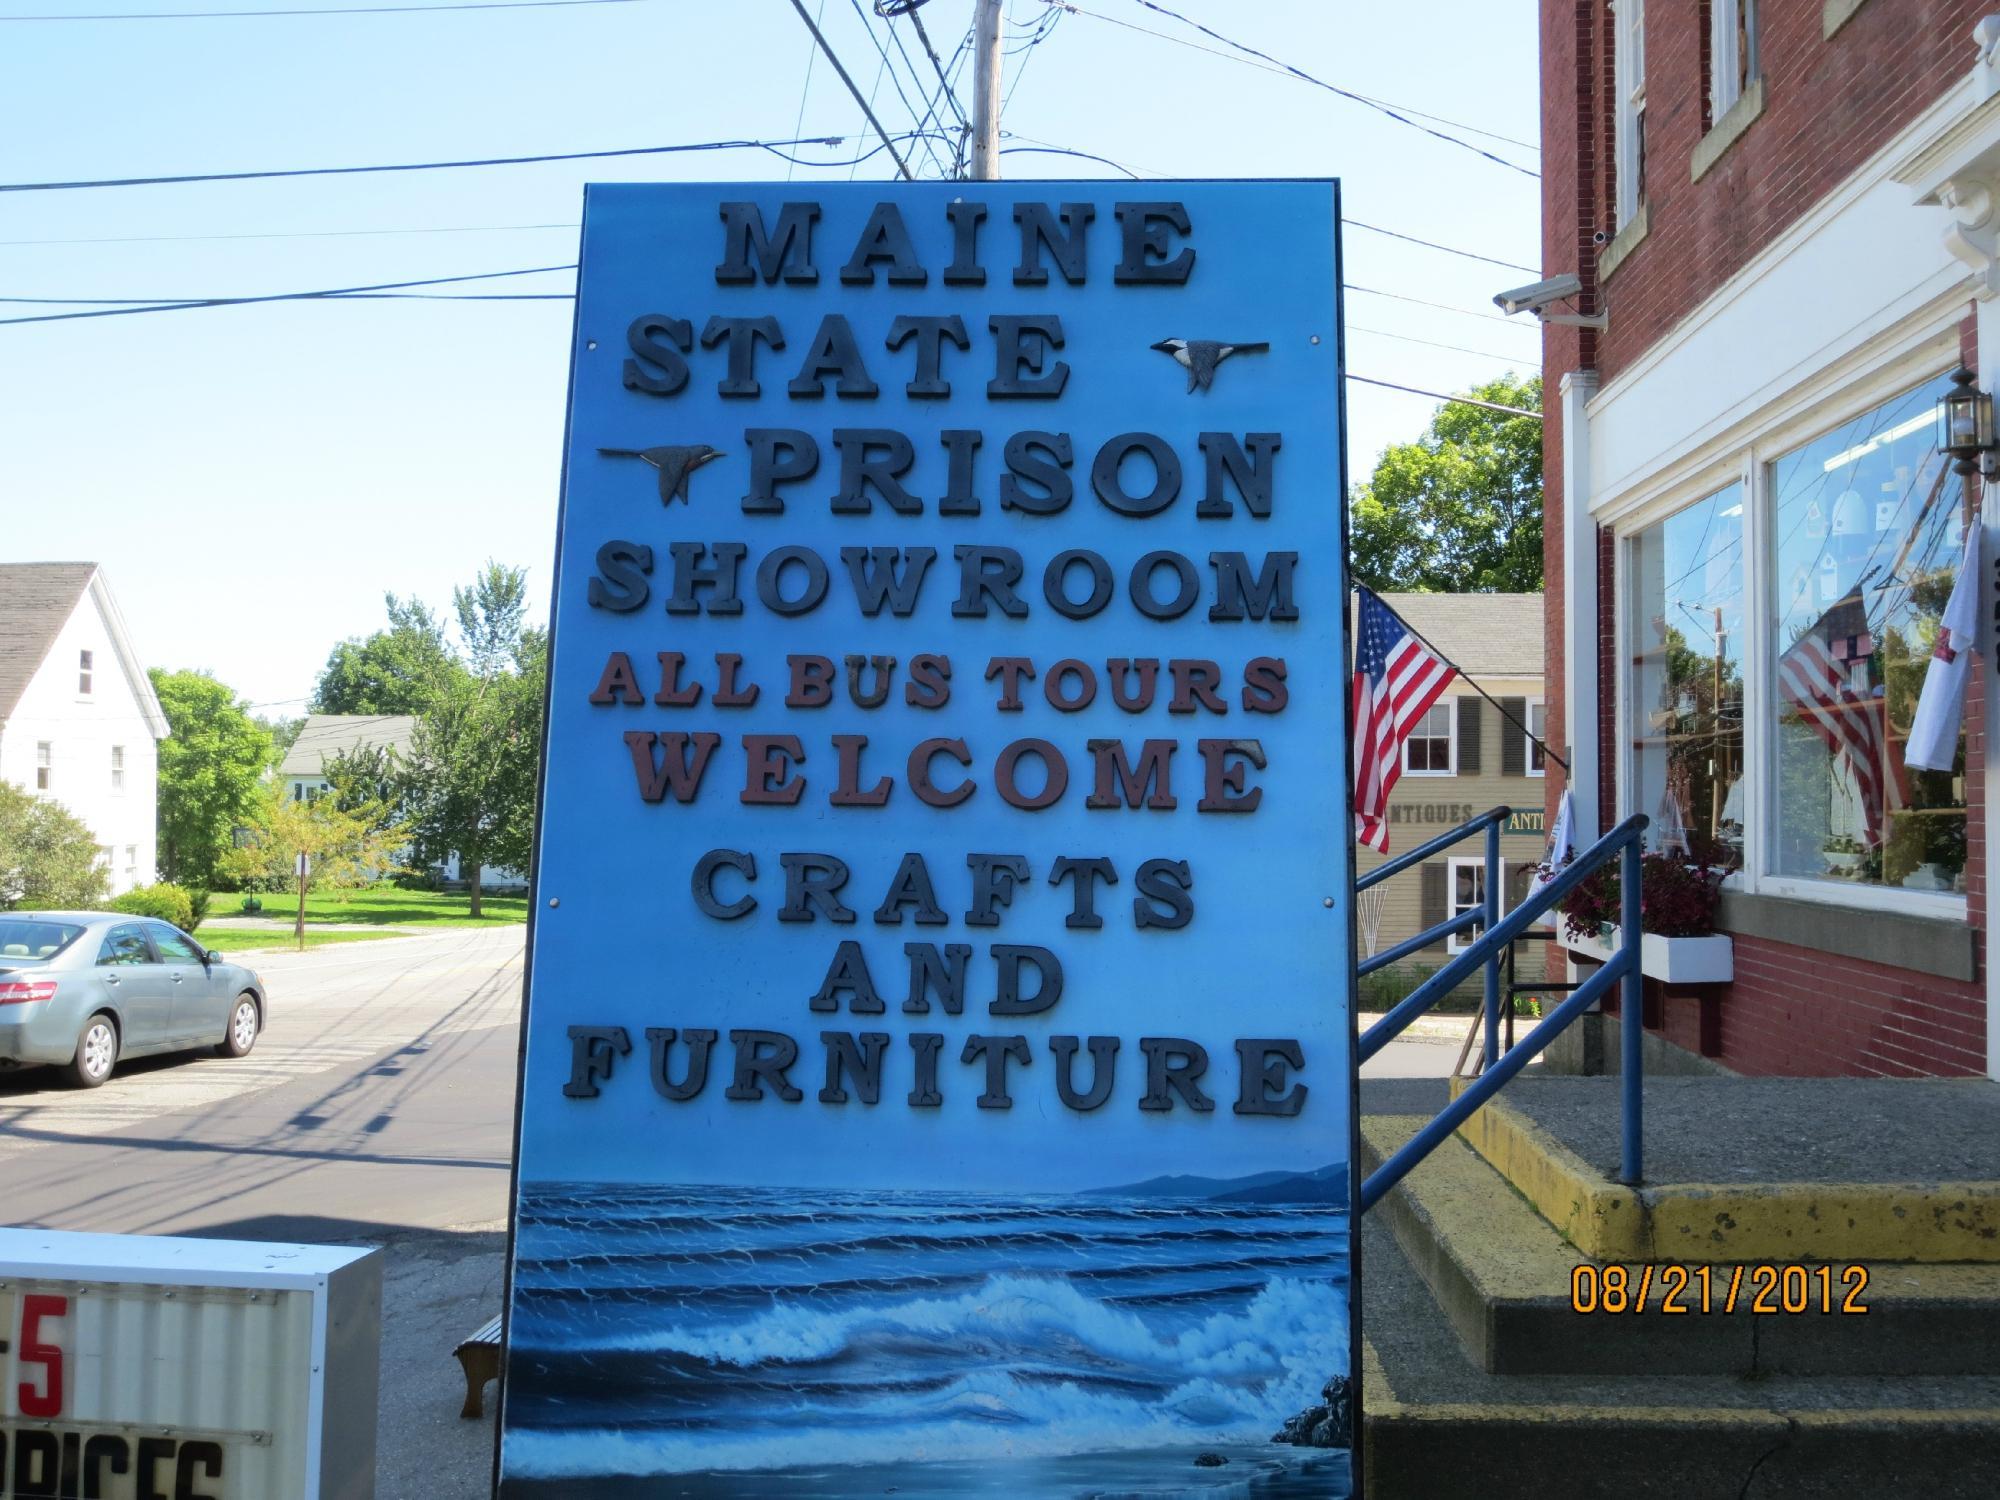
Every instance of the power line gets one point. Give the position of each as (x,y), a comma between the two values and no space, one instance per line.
(1463,312)
(344,10)
(293,234)
(812,56)
(831,56)
(895,78)
(432,166)
(1392,111)
(1432,343)
(1512,411)
(333,292)
(1395,234)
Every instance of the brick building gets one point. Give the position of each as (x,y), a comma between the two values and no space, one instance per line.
(1783,217)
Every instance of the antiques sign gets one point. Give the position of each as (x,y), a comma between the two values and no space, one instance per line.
(937,1067)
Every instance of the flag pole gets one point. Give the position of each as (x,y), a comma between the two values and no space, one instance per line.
(1466,678)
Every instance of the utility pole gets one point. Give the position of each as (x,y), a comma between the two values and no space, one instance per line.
(986,92)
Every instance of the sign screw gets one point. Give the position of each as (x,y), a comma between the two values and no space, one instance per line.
(1315,340)
(553,901)
(1326,901)
(592,343)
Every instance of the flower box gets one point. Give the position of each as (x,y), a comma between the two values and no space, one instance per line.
(1672,960)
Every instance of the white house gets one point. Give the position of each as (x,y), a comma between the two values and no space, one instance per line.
(325,736)
(79,722)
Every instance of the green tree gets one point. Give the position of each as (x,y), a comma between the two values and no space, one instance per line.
(48,855)
(345,848)
(1460,509)
(211,769)
(394,671)
(469,784)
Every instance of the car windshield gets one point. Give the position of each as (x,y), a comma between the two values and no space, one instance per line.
(26,938)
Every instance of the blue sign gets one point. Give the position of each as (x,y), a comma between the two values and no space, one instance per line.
(938,1068)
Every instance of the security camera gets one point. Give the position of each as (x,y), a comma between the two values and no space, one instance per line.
(1540,295)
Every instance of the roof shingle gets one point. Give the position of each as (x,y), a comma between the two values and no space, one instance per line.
(36,601)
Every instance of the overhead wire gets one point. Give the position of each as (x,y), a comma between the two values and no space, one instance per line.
(1365,100)
(841,68)
(894,78)
(427,166)
(805,89)
(332,292)
(1512,411)
(340,10)
(1434,344)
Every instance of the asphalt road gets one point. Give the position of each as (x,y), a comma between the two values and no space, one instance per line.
(380,1095)
(377,1108)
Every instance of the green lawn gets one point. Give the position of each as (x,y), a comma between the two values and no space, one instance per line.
(387,905)
(234,940)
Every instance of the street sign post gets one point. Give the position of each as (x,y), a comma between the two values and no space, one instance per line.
(937,1068)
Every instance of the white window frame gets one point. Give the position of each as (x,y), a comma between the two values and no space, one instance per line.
(86,673)
(1922,354)
(132,863)
(1725,86)
(1450,703)
(45,771)
(1530,749)
(1628,74)
(118,770)
(1458,942)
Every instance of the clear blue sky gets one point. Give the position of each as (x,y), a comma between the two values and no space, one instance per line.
(254,478)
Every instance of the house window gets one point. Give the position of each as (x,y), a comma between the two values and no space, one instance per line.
(44,752)
(1629,83)
(1427,752)
(1685,713)
(117,768)
(1867,535)
(1466,891)
(1538,732)
(1732,53)
(131,864)
(83,673)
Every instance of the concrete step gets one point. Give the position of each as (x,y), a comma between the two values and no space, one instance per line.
(1758,1169)
(1435,1425)
(1506,1282)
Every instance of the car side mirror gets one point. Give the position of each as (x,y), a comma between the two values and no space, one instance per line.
(212,956)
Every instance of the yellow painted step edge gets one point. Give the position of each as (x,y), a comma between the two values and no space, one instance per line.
(1875,1221)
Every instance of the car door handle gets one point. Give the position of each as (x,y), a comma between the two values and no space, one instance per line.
(110,978)
(176,977)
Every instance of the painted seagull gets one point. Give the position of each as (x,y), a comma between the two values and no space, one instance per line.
(674,464)
(1199,357)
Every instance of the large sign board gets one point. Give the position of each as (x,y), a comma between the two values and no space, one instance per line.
(937,1072)
(136,1367)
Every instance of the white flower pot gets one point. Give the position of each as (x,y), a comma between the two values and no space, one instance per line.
(1673,960)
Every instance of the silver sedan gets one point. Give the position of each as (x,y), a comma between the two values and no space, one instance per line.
(80,990)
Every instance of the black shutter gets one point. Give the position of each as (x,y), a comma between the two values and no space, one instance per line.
(1513,742)
(1468,736)
(1430,904)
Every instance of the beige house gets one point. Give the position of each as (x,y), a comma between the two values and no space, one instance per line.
(1463,758)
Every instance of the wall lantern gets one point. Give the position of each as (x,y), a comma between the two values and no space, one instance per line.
(1965,425)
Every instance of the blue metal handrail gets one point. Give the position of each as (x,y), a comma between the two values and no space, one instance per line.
(1626,841)
(1480,916)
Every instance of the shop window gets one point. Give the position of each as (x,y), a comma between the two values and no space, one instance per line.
(1685,711)
(1867,536)
(1428,750)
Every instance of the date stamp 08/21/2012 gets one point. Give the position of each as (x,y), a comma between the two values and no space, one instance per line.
(1674,1288)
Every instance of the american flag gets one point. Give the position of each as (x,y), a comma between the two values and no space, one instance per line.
(1396,678)
(1817,681)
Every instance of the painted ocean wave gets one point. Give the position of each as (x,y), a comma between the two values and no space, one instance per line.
(716,1335)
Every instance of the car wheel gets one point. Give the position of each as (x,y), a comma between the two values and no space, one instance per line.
(96,1052)
(242,1033)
